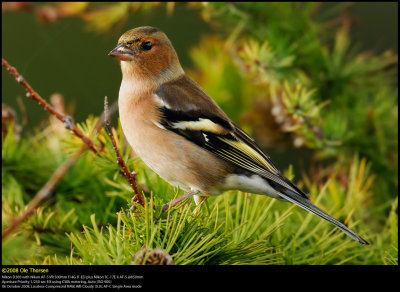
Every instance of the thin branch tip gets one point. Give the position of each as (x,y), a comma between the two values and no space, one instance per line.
(66,120)
(128,175)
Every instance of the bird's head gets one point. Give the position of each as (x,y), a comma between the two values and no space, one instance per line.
(147,53)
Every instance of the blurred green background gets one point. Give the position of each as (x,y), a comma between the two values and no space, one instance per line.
(65,57)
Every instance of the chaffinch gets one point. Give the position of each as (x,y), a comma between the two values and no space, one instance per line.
(184,136)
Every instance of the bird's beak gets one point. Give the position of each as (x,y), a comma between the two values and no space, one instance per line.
(123,53)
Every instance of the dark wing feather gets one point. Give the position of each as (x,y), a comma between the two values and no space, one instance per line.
(187,105)
(243,136)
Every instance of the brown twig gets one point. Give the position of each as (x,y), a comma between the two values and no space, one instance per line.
(44,192)
(129,176)
(67,120)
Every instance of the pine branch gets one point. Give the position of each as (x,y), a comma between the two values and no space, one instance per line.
(44,192)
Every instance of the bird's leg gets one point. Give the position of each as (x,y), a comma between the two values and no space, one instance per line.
(177,200)
(198,200)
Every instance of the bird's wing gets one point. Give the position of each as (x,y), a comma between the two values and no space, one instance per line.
(188,111)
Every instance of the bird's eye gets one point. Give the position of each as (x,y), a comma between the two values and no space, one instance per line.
(147,46)
(129,43)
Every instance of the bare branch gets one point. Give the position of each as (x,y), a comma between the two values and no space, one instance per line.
(67,120)
(129,176)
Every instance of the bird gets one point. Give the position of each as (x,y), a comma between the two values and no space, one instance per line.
(182,134)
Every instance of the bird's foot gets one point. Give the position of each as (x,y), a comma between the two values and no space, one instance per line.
(179,199)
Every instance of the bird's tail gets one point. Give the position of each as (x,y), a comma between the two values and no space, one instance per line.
(307,205)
